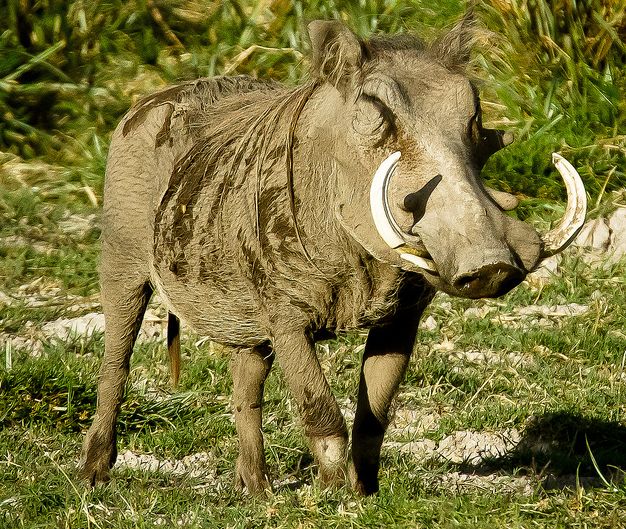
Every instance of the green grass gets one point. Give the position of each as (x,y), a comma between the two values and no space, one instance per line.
(69,70)
(560,385)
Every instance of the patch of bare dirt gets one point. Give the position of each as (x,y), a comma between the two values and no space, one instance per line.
(10,343)
(496,484)
(199,465)
(78,225)
(464,446)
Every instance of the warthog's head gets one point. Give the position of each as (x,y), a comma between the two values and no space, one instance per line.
(424,208)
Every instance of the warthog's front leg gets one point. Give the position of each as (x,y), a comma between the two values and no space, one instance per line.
(123,308)
(249,369)
(324,424)
(385,359)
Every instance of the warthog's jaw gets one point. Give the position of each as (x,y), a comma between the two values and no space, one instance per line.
(413,251)
(410,247)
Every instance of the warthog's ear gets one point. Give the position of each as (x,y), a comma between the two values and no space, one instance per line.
(454,47)
(336,51)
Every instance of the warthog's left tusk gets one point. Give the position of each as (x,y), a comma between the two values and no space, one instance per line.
(385,224)
(563,234)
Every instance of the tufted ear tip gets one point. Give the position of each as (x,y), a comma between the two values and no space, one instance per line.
(454,47)
(335,49)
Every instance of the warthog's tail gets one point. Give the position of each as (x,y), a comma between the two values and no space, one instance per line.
(173,346)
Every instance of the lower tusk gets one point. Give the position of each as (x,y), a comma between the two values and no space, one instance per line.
(563,234)
(420,262)
(383,220)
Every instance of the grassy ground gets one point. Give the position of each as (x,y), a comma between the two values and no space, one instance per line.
(509,417)
(505,420)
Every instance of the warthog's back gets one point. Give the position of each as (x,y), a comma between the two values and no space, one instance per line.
(153,135)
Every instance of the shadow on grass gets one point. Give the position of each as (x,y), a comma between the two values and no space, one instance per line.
(558,447)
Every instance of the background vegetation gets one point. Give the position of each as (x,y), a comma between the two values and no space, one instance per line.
(553,72)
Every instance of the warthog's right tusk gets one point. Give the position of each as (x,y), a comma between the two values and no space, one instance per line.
(563,234)
(383,219)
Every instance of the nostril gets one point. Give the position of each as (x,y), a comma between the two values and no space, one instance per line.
(466,280)
(489,281)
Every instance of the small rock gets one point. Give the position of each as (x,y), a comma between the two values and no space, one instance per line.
(429,324)
(617,225)
(594,235)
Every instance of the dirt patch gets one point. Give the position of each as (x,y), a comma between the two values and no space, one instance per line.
(199,465)
(77,225)
(541,315)
(475,447)
(464,446)
(409,422)
(495,484)
(10,343)
(154,327)
(19,241)
(66,328)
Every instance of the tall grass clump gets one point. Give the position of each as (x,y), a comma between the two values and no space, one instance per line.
(71,68)
(560,70)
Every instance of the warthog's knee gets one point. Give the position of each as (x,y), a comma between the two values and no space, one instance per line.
(331,454)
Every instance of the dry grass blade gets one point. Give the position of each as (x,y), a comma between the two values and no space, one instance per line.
(243,56)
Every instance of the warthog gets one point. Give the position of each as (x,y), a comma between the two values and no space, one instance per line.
(264,218)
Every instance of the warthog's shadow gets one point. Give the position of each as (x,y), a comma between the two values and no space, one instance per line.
(558,447)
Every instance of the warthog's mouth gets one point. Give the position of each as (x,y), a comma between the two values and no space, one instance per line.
(413,251)
(418,255)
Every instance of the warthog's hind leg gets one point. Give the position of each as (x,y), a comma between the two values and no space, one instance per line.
(124,308)
(249,369)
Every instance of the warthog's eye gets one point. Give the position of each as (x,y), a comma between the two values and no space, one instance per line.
(372,119)
(474,128)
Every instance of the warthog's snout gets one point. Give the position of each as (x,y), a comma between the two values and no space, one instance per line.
(460,238)
(489,281)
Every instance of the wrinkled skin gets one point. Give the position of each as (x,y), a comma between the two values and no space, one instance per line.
(197,207)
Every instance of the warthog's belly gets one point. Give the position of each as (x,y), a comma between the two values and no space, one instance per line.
(227,317)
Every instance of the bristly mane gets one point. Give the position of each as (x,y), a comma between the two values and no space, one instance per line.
(247,126)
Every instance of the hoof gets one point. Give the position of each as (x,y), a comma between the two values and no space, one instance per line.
(97,458)
(362,486)
(93,476)
(255,482)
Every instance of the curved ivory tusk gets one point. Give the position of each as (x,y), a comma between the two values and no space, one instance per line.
(386,226)
(559,238)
